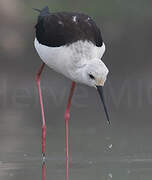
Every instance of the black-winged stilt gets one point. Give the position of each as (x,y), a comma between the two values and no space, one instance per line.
(71,44)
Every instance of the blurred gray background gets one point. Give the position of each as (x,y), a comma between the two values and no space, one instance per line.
(122,151)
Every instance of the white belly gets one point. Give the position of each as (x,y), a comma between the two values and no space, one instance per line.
(54,57)
(66,59)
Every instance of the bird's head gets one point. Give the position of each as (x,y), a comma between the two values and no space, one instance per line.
(95,74)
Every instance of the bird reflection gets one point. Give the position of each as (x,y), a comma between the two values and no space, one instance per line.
(44,170)
(67,168)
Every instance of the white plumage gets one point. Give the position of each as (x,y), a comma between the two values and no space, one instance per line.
(72,60)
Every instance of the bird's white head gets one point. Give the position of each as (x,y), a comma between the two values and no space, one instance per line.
(94,73)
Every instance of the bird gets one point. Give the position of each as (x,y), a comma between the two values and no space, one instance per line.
(71,44)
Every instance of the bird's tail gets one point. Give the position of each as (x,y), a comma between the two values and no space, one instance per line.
(45,11)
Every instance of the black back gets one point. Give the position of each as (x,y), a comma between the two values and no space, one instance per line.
(58,29)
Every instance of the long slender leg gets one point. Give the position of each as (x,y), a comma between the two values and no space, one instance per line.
(67,116)
(42,109)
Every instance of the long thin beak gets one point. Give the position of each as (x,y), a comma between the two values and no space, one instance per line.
(100,91)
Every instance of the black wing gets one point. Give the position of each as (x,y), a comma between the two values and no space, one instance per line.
(64,28)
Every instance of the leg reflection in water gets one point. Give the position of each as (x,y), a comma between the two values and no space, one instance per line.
(44,171)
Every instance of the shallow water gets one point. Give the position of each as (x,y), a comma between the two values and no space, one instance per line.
(26,166)
(97,151)
(121,151)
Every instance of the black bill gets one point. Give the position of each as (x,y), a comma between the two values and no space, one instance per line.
(100,91)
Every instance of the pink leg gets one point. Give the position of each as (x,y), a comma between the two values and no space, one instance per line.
(67,116)
(42,109)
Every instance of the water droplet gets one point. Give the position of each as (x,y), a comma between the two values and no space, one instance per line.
(110,175)
(110,146)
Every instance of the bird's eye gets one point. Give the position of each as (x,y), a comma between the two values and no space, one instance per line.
(91,76)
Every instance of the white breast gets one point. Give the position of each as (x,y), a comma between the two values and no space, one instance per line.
(66,59)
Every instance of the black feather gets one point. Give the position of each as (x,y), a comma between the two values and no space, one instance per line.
(58,29)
